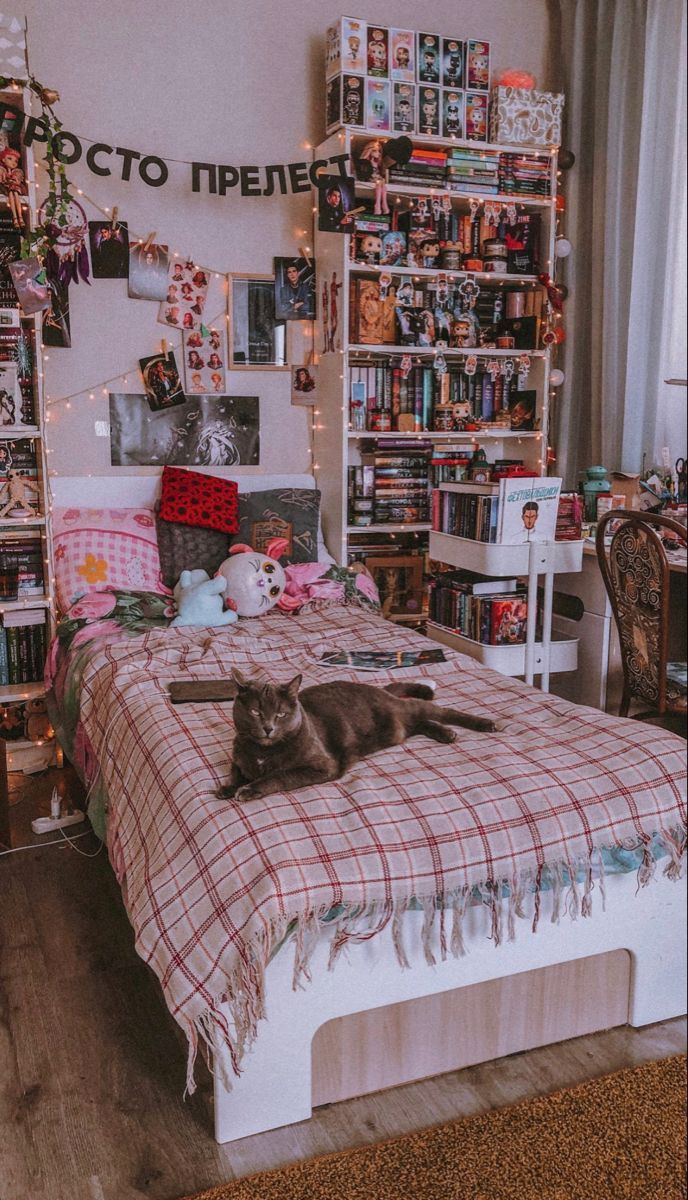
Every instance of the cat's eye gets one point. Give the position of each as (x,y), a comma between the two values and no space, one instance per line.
(281,714)
(269,568)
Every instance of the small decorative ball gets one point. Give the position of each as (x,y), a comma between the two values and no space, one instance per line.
(560,202)
(562,247)
(565,160)
(556,377)
(559,334)
(515,78)
(563,291)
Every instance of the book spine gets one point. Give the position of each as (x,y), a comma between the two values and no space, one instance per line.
(4,664)
(13,654)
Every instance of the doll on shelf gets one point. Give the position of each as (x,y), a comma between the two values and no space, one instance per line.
(369,167)
(16,486)
(13,182)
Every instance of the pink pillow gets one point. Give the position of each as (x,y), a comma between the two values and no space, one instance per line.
(101,548)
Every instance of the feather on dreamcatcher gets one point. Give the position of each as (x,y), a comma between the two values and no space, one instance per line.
(66,260)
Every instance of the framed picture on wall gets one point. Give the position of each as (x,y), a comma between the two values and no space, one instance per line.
(399,580)
(257,339)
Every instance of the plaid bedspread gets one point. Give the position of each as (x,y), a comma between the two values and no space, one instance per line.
(212,887)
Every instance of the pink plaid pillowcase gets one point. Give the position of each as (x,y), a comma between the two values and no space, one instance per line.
(101,548)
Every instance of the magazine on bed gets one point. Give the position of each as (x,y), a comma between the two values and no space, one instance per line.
(381,660)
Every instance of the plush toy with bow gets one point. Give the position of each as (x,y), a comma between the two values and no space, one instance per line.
(255,582)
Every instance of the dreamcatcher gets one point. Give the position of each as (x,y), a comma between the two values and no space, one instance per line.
(66,259)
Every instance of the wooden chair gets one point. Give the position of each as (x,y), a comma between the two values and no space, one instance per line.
(635,571)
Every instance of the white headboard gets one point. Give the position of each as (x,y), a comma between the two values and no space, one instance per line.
(134,491)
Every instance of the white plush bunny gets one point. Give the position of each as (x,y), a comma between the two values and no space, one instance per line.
(200,600)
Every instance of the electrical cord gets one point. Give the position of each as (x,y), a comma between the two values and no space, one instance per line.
(56,842)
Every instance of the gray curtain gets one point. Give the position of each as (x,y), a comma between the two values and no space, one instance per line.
(597,59)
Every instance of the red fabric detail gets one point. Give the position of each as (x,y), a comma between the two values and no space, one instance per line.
(190,498)
(240,548)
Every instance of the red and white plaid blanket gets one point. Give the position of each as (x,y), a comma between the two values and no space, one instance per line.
(211,887)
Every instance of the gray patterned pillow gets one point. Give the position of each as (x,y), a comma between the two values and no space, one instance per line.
(188,548)
(291,513)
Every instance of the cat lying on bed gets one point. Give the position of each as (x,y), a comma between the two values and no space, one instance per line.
(287,739)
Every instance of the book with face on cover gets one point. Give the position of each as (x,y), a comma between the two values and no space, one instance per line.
(528,510)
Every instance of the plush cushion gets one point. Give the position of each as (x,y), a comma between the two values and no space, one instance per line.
(190,498)
(290,513)
(188,548)
(101,548)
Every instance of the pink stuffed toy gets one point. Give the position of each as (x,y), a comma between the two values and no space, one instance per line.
(255,582)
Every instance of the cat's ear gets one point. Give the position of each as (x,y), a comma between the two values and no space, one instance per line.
(240,680)
(291,689)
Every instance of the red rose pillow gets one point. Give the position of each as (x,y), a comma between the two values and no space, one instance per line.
(190,498)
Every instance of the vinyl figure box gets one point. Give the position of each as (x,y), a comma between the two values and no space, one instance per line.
(428,120)
(476,117)
(402,55)
(452,63)
(378,51)
(403,107)
(428,58)
(345,102)
(346,47)
(452,113)
(377,114)
(478,66)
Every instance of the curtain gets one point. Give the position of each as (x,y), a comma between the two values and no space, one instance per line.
(621,121)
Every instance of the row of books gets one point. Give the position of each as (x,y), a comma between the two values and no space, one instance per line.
(383,399)
(392,486)
(21,564)
(23,645)
(477,172)
(514,510)
(494,612)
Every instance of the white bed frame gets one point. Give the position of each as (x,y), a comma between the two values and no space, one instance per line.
(276,1086)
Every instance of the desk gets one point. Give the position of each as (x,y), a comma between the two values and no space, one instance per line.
(598,682)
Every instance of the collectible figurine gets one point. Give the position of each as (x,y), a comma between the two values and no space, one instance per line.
(426,336)
(16,486)
(430,250)
(462,332)
(368,247)
(13,182)
(370,166)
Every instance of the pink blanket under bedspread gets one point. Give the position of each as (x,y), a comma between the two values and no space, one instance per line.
(212,887)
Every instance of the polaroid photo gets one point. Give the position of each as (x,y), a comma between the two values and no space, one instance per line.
(428,58)
(402,54)
(452,113)
(336,199)
(187,289)
(161,381)
(304,385)
(10,395)
(148,271)
(294,289)
(377,104)
(205,362)
(428,120)
(378,51)
(452,62)
(109,245)
(403,107)
(478,66)
(476,117)
(30,284)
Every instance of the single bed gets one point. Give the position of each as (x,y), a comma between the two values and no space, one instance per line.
(425,869)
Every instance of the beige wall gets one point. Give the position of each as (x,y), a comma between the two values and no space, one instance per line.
(218,81)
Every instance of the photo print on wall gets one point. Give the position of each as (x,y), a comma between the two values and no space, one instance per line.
(336,199)
(204,362)
(294,289)
(187,288)
(109,246)
(161,381)
(148,271)
(222,431)
(304,385)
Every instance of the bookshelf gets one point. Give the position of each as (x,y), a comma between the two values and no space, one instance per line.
(26,592)
(338,444)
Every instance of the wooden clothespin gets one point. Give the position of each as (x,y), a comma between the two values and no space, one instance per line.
(149,239)
(304,254)
(114,217)
(163,347)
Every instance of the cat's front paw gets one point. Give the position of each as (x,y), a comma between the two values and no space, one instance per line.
(226,793)
(245,793)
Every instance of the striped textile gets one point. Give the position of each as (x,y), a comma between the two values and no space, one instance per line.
(211,887)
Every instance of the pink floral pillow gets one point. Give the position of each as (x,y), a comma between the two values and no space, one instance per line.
(100,548)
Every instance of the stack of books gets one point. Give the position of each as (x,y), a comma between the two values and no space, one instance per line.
(524,175)
(21,564)
(472,171)
(425,168)
(491,611)
(23,644)
(392,485)
(516,510)
(569,517)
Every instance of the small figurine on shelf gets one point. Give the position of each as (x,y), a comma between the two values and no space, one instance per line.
(370,167)
(479,471)
(462,332)
(16,486)
(13,182)
(368,247)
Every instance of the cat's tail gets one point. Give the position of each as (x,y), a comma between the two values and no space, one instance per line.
(416,691)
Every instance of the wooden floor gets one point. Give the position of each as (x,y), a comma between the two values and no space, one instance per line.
(92,1072)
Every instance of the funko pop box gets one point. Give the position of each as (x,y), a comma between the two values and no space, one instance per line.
(347,47)
(345,102)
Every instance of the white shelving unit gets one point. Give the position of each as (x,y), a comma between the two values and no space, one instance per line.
(336,445)
(18,754)
(535,561)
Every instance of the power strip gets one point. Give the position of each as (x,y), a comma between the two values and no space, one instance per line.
(49,824)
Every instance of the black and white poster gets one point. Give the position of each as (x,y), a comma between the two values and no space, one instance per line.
(208,431)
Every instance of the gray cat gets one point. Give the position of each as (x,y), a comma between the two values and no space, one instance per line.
(287,739)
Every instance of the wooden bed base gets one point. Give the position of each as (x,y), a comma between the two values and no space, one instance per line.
(368,1024)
